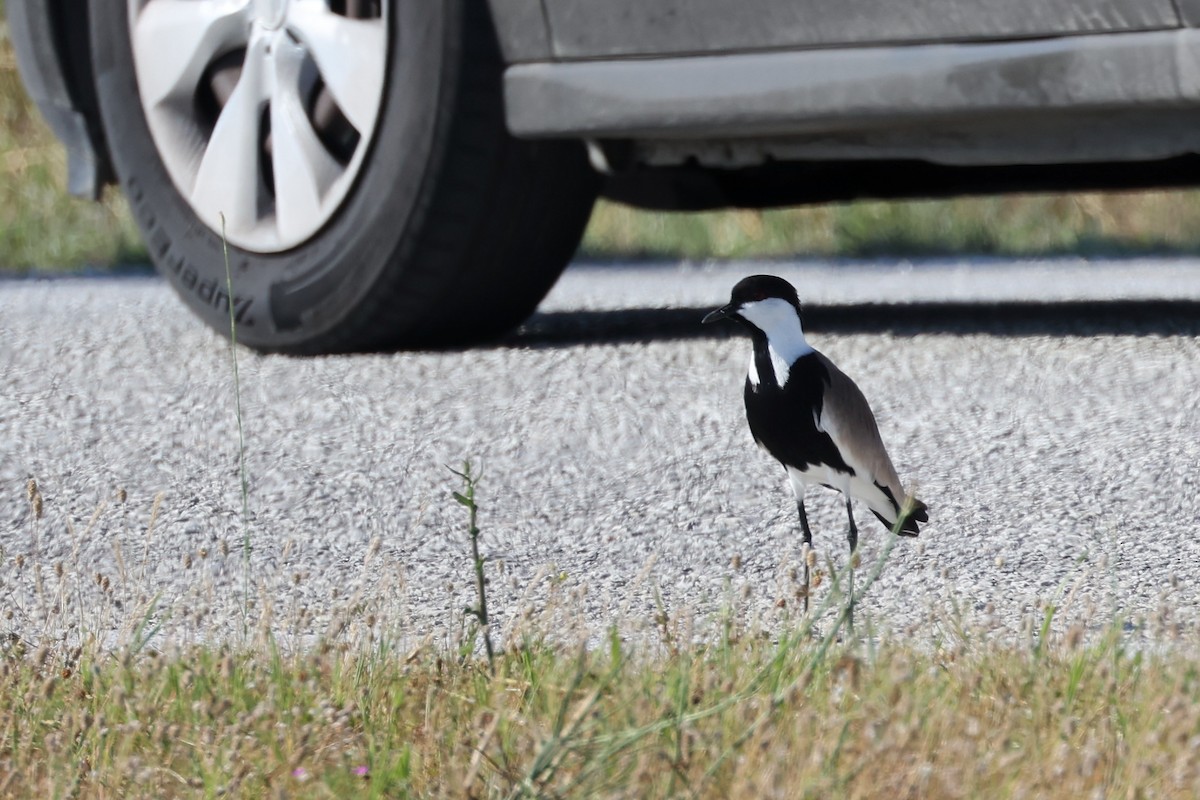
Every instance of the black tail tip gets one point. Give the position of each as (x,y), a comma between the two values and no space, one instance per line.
(918,513)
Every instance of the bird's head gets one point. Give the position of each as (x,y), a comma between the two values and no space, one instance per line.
(763,302)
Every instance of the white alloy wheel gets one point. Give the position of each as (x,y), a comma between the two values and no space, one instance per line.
(358,151)
(261,110)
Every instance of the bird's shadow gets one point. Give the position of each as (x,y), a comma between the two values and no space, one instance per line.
(1083,318)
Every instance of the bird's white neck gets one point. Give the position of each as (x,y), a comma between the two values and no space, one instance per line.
(780,323)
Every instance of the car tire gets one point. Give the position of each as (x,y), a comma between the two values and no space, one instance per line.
(450,234)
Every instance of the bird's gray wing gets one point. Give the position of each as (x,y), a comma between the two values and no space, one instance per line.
(846,416)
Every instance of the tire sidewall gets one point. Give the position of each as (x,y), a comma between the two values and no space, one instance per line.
(303,298)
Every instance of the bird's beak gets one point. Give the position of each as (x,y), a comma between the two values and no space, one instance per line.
(725,312)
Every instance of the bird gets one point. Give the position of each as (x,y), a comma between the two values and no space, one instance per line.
(811,417)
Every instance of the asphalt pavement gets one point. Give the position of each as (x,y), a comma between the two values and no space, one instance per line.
(1046,412)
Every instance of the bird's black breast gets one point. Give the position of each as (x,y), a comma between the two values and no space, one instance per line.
(783,420)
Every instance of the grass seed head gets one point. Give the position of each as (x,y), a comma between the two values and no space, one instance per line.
(34,495)
(1074,637)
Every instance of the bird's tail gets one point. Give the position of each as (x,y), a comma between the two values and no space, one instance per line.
(913,511)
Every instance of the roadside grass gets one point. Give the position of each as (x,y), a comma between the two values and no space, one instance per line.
(364,712)
(40,225)
(1096,224)
(719,708)
(42,228)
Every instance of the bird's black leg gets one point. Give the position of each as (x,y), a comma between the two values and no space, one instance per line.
(852,536)
(806,549)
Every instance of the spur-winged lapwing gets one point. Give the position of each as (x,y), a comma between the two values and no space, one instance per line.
(810,416)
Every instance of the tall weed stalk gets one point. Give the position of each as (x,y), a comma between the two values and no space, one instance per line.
(480,610)
(237,398)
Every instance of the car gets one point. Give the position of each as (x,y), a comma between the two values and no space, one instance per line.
(412,174)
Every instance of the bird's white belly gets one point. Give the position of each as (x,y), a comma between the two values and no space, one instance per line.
(849,485)
(819,474)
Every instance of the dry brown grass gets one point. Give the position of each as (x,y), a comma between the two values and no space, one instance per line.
(729,713)
(40,225)
(738,719)
(1091,224)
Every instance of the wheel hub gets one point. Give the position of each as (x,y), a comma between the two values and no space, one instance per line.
(270,14)
(261,110)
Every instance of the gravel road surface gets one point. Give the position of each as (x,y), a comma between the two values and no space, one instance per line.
(1057,445)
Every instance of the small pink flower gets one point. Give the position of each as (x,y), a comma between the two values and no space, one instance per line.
(362,771)
(300,774)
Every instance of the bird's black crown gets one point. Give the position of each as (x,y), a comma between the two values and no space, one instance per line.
(763,287)
(752,290)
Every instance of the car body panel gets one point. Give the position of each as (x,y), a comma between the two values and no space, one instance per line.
(1189,12)
(608,28)
(522,30)
(849,89)
(664,83)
